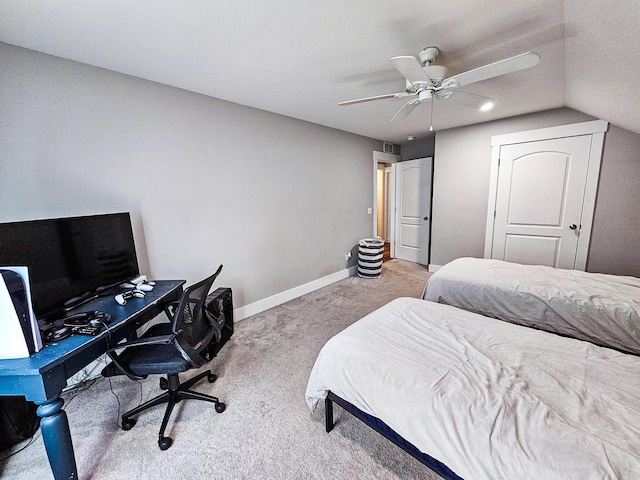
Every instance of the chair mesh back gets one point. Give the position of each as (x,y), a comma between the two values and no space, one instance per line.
(191,319)
(194,328)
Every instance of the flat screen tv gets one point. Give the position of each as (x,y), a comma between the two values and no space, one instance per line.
(71,258)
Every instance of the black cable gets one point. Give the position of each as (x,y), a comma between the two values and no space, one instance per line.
(118,423)
(117,400)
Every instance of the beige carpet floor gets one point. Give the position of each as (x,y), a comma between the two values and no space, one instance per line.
(267,431)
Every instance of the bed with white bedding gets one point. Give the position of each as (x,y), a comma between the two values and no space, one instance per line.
(602,309)
(488,398)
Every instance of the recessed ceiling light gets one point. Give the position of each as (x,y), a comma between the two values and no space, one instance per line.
(411,138)
(487,106)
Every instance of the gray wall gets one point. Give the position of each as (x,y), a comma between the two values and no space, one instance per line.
(419,148)
(462,163)
(276,200)
(615,240)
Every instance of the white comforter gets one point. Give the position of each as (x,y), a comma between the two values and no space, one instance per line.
(603,309)
(490,399)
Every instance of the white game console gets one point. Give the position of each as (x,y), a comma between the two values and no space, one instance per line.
(19,332)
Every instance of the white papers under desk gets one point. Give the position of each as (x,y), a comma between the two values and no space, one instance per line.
(490,399)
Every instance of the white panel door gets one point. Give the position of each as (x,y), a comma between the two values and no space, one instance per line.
(539,201)
(413,207)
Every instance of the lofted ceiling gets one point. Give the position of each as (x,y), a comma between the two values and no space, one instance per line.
(300,58)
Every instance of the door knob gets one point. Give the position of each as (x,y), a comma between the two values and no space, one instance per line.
(573,226)
(426,218)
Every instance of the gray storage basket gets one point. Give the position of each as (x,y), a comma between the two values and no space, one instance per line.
(370,252)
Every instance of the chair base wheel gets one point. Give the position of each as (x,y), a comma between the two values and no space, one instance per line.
(164,443)
(212,377)
(128,424)
(220,407)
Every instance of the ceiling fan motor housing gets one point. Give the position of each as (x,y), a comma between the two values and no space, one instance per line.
(436,73)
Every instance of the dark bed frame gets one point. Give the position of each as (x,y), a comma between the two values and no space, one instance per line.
(386,431)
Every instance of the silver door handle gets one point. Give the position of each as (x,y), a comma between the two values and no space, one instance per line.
(573,226)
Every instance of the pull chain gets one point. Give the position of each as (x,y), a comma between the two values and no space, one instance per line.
(431,121)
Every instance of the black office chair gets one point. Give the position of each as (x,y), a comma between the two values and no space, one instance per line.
(171,348)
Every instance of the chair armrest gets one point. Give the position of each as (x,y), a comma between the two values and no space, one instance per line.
(115,358)
(123,368)
(136,342)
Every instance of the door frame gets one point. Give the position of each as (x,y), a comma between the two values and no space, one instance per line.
(596,129)
(381,157)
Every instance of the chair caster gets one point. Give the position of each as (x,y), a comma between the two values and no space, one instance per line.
(164,443)
(164,384)
(128,424)
(212,377)
(220,407)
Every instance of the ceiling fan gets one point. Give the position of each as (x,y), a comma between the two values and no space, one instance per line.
(426,82)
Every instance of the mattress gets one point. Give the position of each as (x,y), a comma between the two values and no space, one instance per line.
(603,309)
(489,399)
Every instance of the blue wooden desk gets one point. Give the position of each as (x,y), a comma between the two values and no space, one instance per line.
(42,376)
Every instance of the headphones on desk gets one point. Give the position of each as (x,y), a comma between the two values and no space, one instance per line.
(83,322)
(54,333)
(86,319)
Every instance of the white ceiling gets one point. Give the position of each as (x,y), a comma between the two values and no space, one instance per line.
(301,57)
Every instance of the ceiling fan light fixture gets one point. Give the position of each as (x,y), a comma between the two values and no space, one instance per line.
(425,95)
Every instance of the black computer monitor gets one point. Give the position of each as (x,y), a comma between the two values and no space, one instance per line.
(70,258)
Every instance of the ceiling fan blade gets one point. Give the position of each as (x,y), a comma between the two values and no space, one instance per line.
(501,67)
(377,97)
(406,109)
(411,69)
(467,99)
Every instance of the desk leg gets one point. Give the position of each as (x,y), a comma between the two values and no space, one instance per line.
(57,439)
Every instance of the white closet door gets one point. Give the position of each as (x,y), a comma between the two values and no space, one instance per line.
(539,202)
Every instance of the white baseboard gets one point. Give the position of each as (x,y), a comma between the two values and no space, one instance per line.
(280,298)
(434,268)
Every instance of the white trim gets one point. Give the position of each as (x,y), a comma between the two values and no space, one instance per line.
(493,198)
(589,200)
(392,159)
(385,157)
(570,130)
(392,211)
(280,298)
(434,268)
